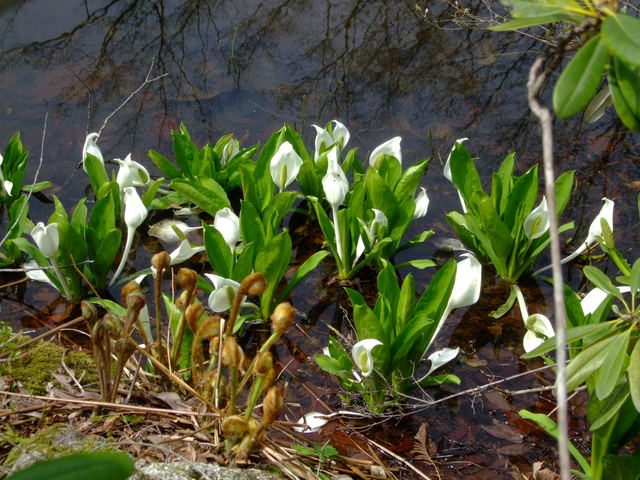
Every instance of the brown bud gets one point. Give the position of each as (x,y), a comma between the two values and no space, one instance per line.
(209,328)
(235,426)
(192,315)
(161,261)
(282,317)
(113,323)
(186,278)
(130,287)
(135,301)
(232,354)
(264,363)
(272,406)
(253,284)
(89,311)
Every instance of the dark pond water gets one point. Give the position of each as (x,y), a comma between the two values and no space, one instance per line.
(384,68)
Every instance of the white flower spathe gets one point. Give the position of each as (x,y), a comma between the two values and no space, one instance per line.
(595,231)
(228,224)
(390,147)
(325,139)
(537,222)
(224,291)
(362,357)
(539,328)
(372,232)
(229,151)
(134,210)
(47,238)
(466,289)
(131,173)
(184,252)
(285,165)
(91,147)
(335,183)
(447,171)
(164,230)
(7,186)
(422,204)
(134,214)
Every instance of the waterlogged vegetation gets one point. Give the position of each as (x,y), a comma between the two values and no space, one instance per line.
(249,229)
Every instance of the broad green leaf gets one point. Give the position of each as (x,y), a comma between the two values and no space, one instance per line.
(105,255)
(464,174)
(251,227)
(410,179)
(633,373)
(621,33)
(609,408)
(208,200)
(522,199)
(563,187)
(406,303)
(575,314)
(332,365)
(96,172)
(150,193)
(388,285)
(185,152)
(580,79)
(36,187)
(417,240)
(549,426)
(588,361)
(598,105)
(600,280)
(272,262)
(611,369)
(434,380)
(80,466)
(625,467)
(167,168)
(244,262)
(303,270)
(420,264)
(619,74)
(573,334)
(502,182)
(498,237)
(218,252)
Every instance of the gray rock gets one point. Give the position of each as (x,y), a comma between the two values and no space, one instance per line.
(198,471)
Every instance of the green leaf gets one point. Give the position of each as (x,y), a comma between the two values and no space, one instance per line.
(620,74)
(105,255)
(506,306)
(208,200)
(150,193)
(218,252)
(621,33)
(420,264)
(600,280)
(251,227)
(624,467)
(410,179)
(608,408)
(96,171)
(464,174)
(579,81)
(167,168)
(435,380)
(588,361)
(611,369)
(417,240)
(573,335)
(549,426)
(633,373)
(272,262)
(303,270)
(93,465)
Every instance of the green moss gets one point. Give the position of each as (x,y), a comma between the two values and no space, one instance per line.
(34,369)
(55,441)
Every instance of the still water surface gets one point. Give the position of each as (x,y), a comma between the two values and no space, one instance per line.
(384,68)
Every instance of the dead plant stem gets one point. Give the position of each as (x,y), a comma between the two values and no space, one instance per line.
(535,83)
